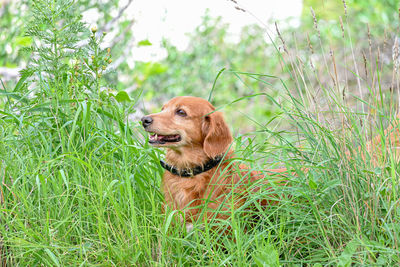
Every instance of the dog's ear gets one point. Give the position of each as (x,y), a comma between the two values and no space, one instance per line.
(217,135)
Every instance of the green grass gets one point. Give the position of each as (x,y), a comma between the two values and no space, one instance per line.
(79,185)
(90,196)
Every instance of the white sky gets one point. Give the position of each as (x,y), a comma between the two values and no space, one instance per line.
(173,19)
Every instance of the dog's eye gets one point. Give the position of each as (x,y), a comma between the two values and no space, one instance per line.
(181,112)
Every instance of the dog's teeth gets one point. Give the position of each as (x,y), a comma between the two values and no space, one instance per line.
(156,136)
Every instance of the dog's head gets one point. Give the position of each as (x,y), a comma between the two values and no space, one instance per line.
(187,121)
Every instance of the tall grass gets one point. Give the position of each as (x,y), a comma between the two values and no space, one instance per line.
(80,185)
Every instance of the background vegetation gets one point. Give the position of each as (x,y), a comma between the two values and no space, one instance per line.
(79,183)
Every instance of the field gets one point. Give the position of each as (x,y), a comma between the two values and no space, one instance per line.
(79,183)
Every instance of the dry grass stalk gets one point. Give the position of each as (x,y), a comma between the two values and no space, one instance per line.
(365,63)
(315,22)
(280,38)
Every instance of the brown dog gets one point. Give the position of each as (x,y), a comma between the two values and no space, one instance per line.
(198,156)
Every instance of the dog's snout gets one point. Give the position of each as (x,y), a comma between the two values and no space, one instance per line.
(146,121)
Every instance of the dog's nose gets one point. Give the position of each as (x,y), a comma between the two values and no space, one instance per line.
(146,121)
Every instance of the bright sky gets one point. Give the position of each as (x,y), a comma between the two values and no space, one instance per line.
(173,19)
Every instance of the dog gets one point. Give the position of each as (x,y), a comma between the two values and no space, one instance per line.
(198,160)
(199,172)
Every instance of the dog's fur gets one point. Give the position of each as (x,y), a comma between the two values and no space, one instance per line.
(205,135)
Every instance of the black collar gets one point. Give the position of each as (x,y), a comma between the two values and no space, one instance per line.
(194,171)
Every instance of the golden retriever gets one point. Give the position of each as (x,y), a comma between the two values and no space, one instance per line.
(199,172)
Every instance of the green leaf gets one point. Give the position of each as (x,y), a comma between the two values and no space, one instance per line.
(154,68)
(23,41)
(122,96)
(267,257)
(9,115)
(20,83)
(14,95)
(313,185)
(74,127)
(144,43)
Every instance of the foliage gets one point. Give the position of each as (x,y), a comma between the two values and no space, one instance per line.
(14,38)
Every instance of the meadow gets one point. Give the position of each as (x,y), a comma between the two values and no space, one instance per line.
(79,183)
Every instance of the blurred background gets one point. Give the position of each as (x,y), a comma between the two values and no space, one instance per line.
(161,49)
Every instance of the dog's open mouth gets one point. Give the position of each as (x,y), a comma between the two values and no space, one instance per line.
(163,139)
